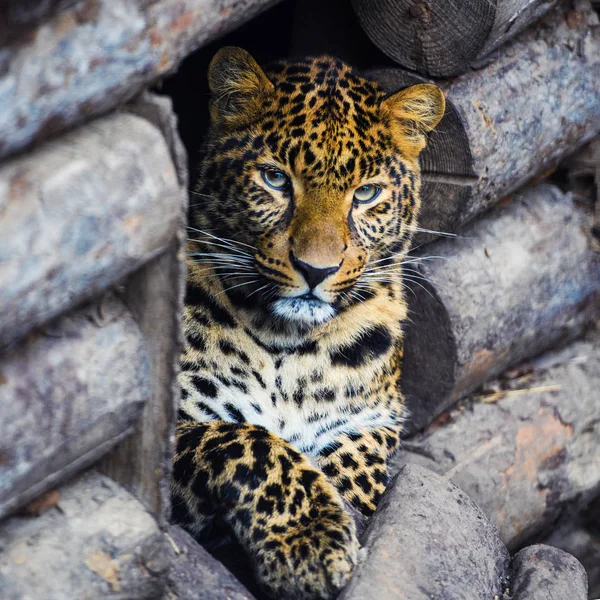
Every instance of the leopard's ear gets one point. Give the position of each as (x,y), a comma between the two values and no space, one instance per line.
(414,112)
(237,84)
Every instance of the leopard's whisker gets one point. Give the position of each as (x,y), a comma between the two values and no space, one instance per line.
(222,239)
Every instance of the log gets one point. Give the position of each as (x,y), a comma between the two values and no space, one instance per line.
(541,573)
(519,280)
(97,542)
(528,453)
(154,294)
(511,121)
(96,55)
(68,394)
(80,213)
(194,573)
(578,535)
(444,39)
(427,540)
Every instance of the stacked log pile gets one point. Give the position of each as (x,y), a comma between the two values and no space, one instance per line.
(502,349)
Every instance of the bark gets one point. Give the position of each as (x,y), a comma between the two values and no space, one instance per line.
(511,121)
(68,394)
(97,54)
(142,462)
(80,213)
(97,542)
(521,279)
(426,540)
(528,456)
(443,39)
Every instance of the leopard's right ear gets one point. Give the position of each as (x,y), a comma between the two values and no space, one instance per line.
(237,84)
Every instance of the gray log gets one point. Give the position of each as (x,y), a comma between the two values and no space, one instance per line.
(98,54)
(67,395)
(511,121)
(98,542)
(514,283)
(530,456)
(578,535)
(428,541)
(544,573)
(443,39)
(80,213)
(194,573)
(142,462)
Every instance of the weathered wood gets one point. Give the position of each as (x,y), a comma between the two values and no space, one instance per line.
(427,540)
(67,395)
(194,573)
(142,462)
(543,573)
(443,39)
(97,54)
(529,456)
(511,121)
(80,213)
(98,542)
(512,284)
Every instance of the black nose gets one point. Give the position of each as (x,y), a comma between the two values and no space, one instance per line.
(312,275)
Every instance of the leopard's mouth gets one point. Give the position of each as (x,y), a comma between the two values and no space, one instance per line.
(306,309)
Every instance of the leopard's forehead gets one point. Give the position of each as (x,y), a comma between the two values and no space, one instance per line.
(326,117)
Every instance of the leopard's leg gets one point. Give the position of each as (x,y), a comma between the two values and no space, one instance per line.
(356,464)
(286,515)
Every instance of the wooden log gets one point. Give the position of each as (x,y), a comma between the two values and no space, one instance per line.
(80,213)
(528,453)
(540,572)
(443,39)
(142,462)
(67,395)
(511,121)
(97,542)
(427,540)
(95,55)
(511,285)
(194,573)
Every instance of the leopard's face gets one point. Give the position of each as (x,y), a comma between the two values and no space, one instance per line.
(313,172)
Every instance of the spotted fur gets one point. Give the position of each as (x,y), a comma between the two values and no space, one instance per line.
(290,374)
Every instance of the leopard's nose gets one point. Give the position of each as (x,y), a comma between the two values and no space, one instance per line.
(313,275)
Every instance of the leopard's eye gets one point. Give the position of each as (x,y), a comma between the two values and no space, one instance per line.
(275,179)
(366,193)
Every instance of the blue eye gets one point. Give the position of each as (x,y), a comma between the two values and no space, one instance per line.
(366,193)
(275,179)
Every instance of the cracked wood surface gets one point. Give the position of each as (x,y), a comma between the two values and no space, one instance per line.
(97,541)
(529,456)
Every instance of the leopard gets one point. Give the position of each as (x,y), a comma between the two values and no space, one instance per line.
(306,201)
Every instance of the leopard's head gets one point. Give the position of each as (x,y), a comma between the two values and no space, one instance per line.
(309,176)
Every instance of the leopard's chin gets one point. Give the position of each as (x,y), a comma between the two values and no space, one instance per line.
(302,309)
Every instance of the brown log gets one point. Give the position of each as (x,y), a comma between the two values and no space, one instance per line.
(528,453)
(511,121)
(438,38)
(511,285)
(142,462)
(97,542)
(67,395)
(97,54)
(80,213)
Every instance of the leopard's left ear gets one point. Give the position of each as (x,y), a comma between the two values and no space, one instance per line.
(237,84)
(415,111)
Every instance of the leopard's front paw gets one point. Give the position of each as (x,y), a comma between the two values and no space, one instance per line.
(311,560)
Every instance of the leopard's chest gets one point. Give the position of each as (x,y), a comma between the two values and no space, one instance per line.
(308,396)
